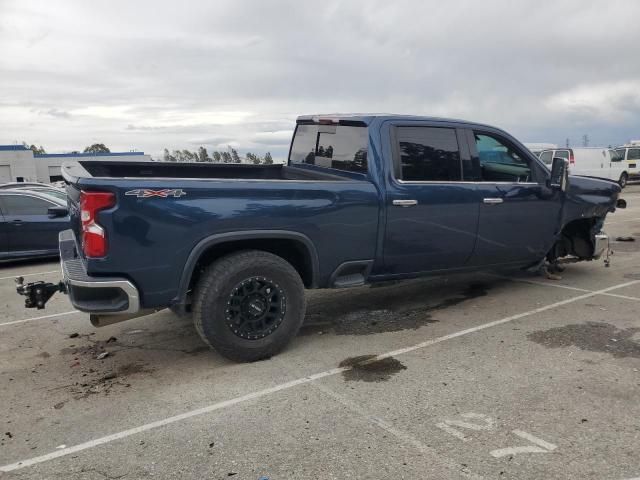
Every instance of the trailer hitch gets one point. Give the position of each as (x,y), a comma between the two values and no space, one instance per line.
(38,293)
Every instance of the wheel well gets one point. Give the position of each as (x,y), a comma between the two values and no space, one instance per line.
(294,252)
(576,238)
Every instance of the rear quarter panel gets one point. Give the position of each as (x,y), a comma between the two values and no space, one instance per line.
(151,238)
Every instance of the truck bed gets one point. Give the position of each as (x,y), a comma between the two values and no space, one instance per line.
(111,169)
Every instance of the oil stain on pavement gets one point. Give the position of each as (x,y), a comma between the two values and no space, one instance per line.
(400,308)
(591,336)
(365,369)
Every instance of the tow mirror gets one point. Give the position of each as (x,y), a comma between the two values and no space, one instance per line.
(56,212)
(621,203)
(559,174)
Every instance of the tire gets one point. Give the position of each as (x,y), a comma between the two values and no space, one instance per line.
(249,305)
(623,180)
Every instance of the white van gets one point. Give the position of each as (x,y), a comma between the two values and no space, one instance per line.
(631,155)
(591,162)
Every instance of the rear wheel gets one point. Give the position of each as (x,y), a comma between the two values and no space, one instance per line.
(623,180)
(249,305)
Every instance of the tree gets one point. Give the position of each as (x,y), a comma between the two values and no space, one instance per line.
(235,158)
(97,148)
(226,157)
(203,156)
(253,158)
(216,157)
(168,157)
(34,148)
(268,159)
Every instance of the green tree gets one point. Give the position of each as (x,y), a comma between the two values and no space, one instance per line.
(253,158)
(217,158)
(97,148)
(235,158)
(268,159)
(203,156)
(168,157)
(226,157)
(34,148)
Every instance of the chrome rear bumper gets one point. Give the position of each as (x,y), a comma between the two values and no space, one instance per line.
(95,295)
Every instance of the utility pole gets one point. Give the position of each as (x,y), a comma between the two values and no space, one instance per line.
(567,143)
(585,140)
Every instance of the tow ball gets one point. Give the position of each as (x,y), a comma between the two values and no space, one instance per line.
(38,293)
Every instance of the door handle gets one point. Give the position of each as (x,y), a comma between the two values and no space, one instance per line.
(405,203)
(493,201)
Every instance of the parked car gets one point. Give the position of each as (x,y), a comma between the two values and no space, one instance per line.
(362,199)
(12,185)
(630,153)
(591,162)
(30,223)
(54,192)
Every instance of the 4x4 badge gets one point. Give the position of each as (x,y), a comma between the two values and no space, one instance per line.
(146,193)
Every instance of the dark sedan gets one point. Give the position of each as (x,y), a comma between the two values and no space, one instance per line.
(29,224)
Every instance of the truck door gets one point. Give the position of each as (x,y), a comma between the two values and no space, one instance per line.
(432,213)
(519,214)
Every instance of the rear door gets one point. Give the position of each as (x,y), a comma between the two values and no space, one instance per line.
(519,214)
(432,213)
(4,235)
(29,227)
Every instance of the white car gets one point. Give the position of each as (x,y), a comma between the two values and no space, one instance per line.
(631,155)
(591,162)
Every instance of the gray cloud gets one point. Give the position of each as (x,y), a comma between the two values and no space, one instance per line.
(150,75)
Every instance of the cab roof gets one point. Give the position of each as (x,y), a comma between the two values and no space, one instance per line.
(367,118)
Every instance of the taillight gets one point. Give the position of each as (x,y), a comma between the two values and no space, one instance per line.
(94,237)
(572,161)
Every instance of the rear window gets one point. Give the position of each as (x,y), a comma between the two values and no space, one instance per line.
(546,157)
(562,154)
(633,154)
(340,147)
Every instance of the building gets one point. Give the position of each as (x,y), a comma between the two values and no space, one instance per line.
(20,164)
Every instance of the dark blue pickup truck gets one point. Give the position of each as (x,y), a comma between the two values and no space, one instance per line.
(362,199)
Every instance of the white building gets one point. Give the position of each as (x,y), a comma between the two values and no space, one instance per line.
(19,164)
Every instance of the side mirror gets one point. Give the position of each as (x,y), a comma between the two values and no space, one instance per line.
(559,174)
(56,212)
(621,203)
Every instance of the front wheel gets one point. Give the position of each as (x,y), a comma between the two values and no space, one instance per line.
(249,305)
(623,180)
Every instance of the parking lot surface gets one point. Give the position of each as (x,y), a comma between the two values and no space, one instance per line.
(476,376)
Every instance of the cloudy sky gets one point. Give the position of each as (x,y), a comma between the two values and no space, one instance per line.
(152,74)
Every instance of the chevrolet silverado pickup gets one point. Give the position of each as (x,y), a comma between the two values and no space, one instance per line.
(361,199)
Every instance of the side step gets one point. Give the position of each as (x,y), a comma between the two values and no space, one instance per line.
(351,274)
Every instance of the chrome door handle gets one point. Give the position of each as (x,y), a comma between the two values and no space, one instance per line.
(405,203)
(493,201)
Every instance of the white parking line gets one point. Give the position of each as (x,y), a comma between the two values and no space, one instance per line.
(285,386)
(44,317)
(559,285)
(28,274)
(615,222)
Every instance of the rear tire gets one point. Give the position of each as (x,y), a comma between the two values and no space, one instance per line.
(624,178)
(249,305)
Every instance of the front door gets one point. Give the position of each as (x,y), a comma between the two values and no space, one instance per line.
(432,214)
(29,227)
(519,214)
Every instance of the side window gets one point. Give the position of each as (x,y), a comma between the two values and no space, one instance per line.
(428,154)
(500,162)
(621,152)
(547,157)
(615,156)
(332,146)
(633,154)
(24,205)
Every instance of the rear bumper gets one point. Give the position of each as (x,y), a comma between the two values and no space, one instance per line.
(96,295)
